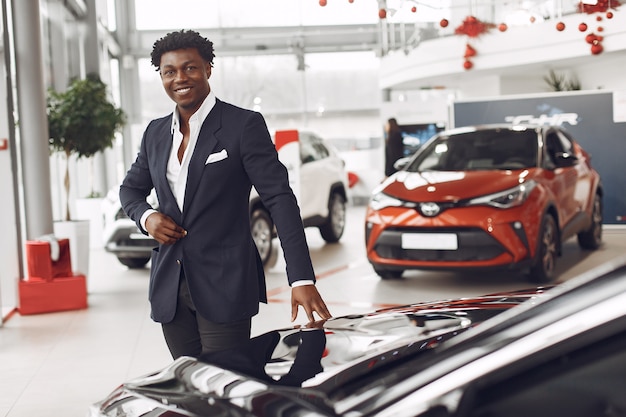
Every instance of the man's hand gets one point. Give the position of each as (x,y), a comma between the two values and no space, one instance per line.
(308,297)
(163,229)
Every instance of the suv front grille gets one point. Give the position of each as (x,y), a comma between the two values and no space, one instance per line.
(473,245)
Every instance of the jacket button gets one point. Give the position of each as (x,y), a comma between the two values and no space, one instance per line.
(178,261)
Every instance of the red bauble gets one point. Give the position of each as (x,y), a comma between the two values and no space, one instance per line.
(582,27)
(468,64)
(473,27)
(350,1)
(532,19)
(413,9)
(596,48)
(560,26)
(600,6)
(599,18)
(322,3)
(382,13)
(502,27)
(600,29)
(609,15)
(591,38)
(444,23)
(469,51)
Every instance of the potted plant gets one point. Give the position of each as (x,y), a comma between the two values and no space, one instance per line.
(81,122)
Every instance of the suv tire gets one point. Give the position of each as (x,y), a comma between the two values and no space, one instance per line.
(543,270)
(133,263)
(333,228)
(261,227)
(591,238)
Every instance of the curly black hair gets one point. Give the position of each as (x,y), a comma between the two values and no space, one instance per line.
(182,40)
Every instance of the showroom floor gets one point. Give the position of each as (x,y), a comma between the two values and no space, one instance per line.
(58,364)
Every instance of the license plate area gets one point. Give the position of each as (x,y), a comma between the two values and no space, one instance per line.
(430,241)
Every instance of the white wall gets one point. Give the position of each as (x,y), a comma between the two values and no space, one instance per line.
(520,55)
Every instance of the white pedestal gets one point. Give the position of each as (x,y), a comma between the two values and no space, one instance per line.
(77,231)
(91,209)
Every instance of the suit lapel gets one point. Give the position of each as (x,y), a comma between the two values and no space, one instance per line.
(206,143)
(163,150)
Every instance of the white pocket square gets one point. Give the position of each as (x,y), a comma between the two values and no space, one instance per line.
(218,156)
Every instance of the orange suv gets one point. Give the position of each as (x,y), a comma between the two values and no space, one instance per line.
(486,197)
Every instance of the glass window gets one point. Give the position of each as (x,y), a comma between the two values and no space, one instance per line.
(553,146)
(480,150)
(271,84)
(160,14)
(312,148)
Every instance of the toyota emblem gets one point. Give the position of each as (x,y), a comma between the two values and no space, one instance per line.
(430,209)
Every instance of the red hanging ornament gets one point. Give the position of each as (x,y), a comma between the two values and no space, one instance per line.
(582,27)
(469,51)
(591,38)
(502,27)
(600,29)
(609,15)
(473,27)
(532,19)
(598,18)
(322,3)
(467,64)
(414,9)
(350,1)
(601,6)
(444,23)
(560,26)
(596,48)
(382,13)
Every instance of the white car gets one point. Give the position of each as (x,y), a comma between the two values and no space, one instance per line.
(323,194)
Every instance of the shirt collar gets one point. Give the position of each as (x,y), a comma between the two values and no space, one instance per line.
(201,113)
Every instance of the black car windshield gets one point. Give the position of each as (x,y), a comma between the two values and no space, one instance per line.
(478,150)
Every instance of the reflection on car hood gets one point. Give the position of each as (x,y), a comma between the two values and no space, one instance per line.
(275,365)
(451,186)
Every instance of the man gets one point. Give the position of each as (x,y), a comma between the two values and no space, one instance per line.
(206,278)
(394,148)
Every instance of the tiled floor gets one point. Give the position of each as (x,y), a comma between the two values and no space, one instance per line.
(58,364)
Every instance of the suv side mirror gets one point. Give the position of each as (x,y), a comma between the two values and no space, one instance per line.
(564,159)
(401,163)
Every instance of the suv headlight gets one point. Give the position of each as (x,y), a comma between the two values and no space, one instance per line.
(380,201)
(512,197)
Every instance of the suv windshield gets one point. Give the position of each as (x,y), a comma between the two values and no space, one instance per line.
(478,150)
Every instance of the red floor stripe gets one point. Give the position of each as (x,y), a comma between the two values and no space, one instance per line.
(9,315)
(279,290)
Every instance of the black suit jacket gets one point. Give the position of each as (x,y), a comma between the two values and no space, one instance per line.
(223,269)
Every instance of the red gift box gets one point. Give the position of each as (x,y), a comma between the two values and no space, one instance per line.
(61,294)
(41,265)
(50,285)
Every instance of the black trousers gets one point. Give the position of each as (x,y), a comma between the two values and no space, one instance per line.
(190,334)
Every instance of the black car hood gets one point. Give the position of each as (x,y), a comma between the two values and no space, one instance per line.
(301,365)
